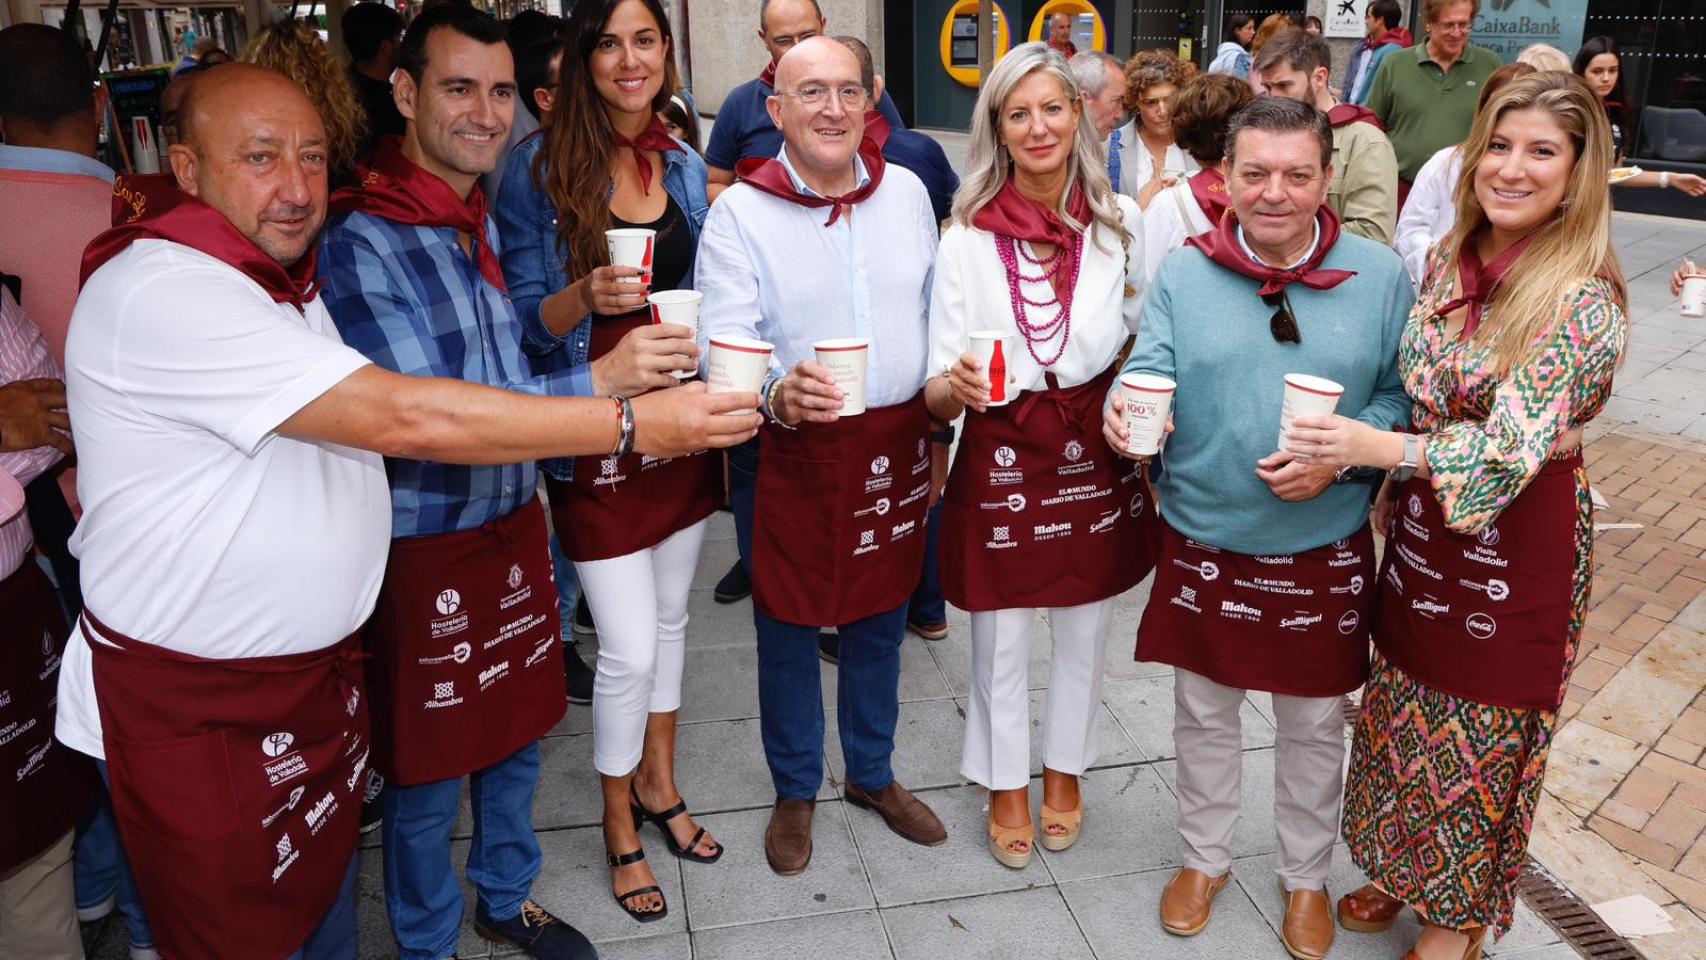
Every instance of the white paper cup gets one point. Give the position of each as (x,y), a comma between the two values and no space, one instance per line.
(846,359)
(680,307)
(994,348)
(632,247)
(737,365)
(1307,396)
(1694,295)
(144,152)
(1148,401)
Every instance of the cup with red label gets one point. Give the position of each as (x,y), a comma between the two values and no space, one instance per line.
(678,307)
(1306,396)
(846,359)
(632,247)
(1148,401)
(1693,290)
(994,349)
(737,365)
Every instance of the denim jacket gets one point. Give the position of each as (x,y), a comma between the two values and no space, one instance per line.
(535,265)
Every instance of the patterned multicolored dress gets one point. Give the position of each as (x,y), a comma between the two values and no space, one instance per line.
(1441,793)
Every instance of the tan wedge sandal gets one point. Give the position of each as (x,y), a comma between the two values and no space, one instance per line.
(1002,838)
(1070,820)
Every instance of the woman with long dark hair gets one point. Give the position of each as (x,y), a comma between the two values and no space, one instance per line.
(632,525)
(1600,65)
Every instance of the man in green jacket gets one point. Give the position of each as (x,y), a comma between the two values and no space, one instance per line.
(1426,95)
(1295,64)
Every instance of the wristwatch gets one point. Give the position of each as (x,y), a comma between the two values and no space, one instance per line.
(1412,458)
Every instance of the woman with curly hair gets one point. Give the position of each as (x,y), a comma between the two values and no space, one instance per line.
(294,49)
(1150,161)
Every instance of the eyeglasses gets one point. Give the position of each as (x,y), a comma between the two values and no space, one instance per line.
(814,94)
(1283,324)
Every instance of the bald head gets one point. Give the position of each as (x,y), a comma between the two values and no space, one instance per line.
(253,147)
(784,23)
(812,57)
(820,108)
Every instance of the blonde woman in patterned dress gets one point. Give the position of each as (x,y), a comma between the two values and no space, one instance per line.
(1484,589)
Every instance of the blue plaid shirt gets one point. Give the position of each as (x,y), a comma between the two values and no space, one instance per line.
(412,301)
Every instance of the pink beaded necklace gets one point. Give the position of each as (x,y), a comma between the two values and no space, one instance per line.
(1063,263)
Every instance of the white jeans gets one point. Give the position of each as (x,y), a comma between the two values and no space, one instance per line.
(1309,756)
(639,605)
(997,750)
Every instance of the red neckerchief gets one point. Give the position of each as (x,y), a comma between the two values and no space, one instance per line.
(1221,245)
(151,207)
(392,187)
(1476,283)
(1348,113)
(767,76)
(1399,35)
(1012,214)
(1209,189)
(877,128)
(768,174)
(654,137)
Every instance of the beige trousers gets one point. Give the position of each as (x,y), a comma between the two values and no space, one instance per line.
(38,908)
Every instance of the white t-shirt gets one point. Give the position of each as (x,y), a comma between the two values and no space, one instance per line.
(1429,213)
(1173,217)
(203,531)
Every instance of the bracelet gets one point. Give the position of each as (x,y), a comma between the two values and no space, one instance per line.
(770,404)
(1664,178)
(624,427)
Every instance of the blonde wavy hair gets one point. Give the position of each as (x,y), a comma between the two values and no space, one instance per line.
(988,164)
(294,49)
(1571,248)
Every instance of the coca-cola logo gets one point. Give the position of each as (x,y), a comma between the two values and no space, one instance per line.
(1481,626)
(1349,622)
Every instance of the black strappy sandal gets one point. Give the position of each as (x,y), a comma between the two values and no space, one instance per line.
(690,852)
(643,916)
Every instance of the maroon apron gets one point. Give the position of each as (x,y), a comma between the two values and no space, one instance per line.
(467,665)
(1038,511)
(1295,624)
(44,786)
(839,512)
(615,506)
(237,787)
(1484,617)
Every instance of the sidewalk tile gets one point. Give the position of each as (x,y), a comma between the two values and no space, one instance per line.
(1129,826)
(1119,917)
(1027,925)
(1256,877)
(574,884)
(741,887)
(904,872)
(835,936)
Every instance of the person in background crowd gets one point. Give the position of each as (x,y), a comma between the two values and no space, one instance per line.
(194,50)
(682,122)
(1070,314)
(1102,79)
(827,240)
(1382,34)
(1489,560)
(1312,24)
(1431,210)
(1060,35)
(526,30)
(1233,57)
(1544,56)
(909,148)
(1298,65)
(296,50)
(1599,63)
(1152,162)
(632,528)
(1272,24)
(1201,110)
(1426,94)
(46,787)
(372,31)
(171,103)
(214,58)
(1249,531)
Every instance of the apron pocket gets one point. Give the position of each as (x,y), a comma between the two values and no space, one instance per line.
(182,789)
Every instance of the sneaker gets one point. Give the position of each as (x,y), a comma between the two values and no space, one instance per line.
(583,625)
(829,647)
(536,932)
(579,675)
(735,586)
(372,814)
(99,911)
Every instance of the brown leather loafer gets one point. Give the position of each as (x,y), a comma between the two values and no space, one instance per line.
(1308,928)
(904,813)
(1188,902)
(788,839)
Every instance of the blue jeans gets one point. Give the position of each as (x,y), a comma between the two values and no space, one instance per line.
(927,606)
(333,938)
(100,870)
(790,695)
(568,589)
(421,890)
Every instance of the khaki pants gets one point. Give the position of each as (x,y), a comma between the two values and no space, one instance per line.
(38,908)
(1309,756)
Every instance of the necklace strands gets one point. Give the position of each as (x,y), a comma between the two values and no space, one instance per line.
(1063,263)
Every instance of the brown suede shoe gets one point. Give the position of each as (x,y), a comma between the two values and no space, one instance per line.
(788,839)
(904,813)
(1308,928)
(1188,902)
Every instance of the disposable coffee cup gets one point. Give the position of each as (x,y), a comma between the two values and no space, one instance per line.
(1148,401)
(994,349)
(1306,396)
(737,365)
(846,359)
(1694,295)
(632,247)
(144,152)
(679,307)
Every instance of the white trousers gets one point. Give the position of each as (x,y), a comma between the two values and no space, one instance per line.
(639,605)
(38,908)
(997,752)
(1309,756)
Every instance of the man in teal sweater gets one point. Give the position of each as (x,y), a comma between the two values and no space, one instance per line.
(1267,565)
